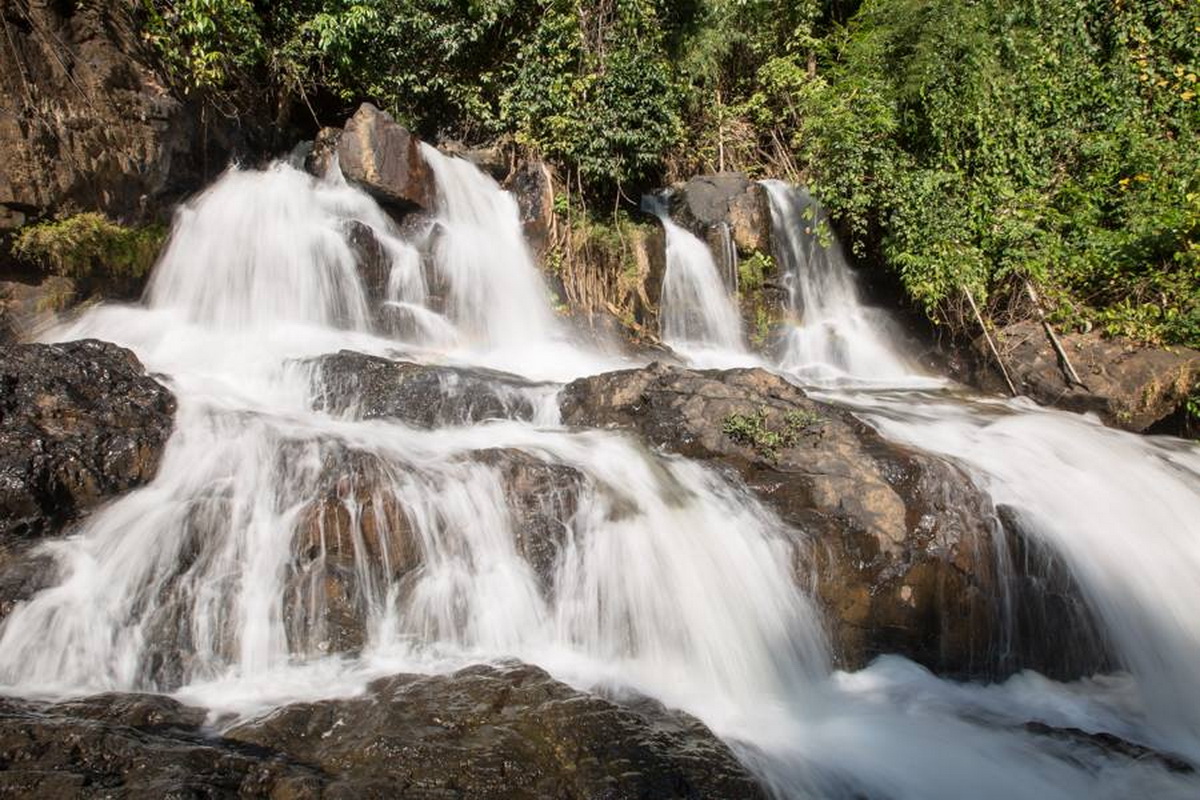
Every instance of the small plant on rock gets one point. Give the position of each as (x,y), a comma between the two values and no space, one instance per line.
(754,431)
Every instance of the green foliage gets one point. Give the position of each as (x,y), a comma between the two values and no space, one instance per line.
(976,145)
(90,246)
(754,431)
(204,42)
(753,269)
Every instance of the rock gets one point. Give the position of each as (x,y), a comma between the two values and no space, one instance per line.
(532,184)
(324,148)
(356,537)
(508,732)
(385,159)
(897,545)
(1128,385)
(26,308)
(728,198)
(421,395)
(86,122)
(374,263)
(492,159)
(79,423)
(135,746)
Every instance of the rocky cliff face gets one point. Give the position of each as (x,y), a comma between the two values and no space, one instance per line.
(86,122)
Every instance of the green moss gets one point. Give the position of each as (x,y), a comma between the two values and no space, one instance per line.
(752,271)
(90,246)
(754,431)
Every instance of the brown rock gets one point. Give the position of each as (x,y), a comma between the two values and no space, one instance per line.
(532,183)
(385,159)
(1128,385)
(898,545)
(508,732)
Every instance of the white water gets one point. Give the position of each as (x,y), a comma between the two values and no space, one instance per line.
(670,580)
(832,337)
(697,312)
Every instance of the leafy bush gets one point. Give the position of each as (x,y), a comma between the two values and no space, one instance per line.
(90,246)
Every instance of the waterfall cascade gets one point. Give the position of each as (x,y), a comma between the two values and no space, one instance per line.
(213,582)
(832,336)
(698,312)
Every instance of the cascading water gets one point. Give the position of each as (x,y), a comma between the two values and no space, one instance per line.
(697,311)
(832,336)
(219,580)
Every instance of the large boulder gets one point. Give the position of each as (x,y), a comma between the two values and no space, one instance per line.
(87,124)
(1128,385)
(421,395)
(135,746)
(508,732)
(728,198)
(899,546)
(79,423)
(385,159)
(532,184)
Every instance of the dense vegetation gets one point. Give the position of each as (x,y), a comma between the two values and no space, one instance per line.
(971,147)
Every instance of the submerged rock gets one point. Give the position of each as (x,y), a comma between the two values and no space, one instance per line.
(899,546)
(1127,385)
(79,423)
(501,732)
(421,395)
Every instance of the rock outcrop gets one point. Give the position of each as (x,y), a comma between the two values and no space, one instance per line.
(483,733)
(899,546)
(501,732)
(384,158)
(86,122)
(421,395)
(1126,384)
(728,198)
(79,423)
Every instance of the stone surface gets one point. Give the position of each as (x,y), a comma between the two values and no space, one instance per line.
(509,732)
(384,158)
(86,122)
(421,395)
(731,198)
(79,423)
(532,184)
(135,746)
(1128,385)
(898,545)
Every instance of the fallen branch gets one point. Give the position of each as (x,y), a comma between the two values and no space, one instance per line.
(1064,362)
(991,343)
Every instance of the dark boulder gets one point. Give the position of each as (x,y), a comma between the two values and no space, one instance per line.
(385,159)
(507,732)
(135,746)
(899,546)
(728,198)
(1128,385)
(421,395)
(79,423)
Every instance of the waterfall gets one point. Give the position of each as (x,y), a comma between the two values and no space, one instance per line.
(290,550)
(697,310)
(832,337)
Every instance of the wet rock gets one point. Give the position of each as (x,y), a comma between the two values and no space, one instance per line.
(1128,385)
(26,308)
(421,395)
(135,746)
(1108,745)
(899,546)
(385,159)
(374,263)
(356,537)
(508,732)
(79,423)
(24,571)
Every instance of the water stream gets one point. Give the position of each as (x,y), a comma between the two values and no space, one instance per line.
(212,583)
